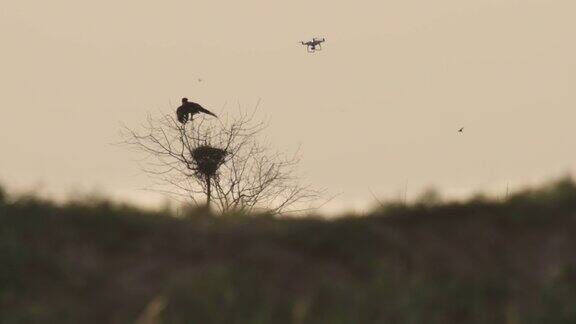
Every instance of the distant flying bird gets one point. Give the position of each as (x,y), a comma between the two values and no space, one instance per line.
(190,108)
(461,130)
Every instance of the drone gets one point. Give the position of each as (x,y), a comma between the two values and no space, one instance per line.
(314,45)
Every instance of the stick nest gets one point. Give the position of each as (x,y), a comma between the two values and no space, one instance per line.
(208,159)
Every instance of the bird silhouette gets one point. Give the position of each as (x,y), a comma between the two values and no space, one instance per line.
(461,130)
(188,109)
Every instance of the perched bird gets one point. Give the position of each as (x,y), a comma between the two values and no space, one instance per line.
(190,108)
(461,130)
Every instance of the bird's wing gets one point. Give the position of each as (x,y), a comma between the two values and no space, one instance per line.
(206,111)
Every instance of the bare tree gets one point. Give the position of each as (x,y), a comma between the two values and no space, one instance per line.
(221,161)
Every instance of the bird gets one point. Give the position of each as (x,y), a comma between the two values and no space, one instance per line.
(461,130)
(190,108)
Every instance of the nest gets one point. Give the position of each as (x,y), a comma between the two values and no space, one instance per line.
(208,159)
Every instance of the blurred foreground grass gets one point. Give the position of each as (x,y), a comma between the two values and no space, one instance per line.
(480,261)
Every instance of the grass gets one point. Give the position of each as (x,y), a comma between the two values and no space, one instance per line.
(480,261)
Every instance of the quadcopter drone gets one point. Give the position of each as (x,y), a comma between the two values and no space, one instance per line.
(314,45)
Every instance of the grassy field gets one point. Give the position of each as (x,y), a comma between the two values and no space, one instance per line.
(480,261)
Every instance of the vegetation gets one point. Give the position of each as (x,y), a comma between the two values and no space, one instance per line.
(480,261)
(224,164)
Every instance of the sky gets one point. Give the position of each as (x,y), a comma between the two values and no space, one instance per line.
(376,112)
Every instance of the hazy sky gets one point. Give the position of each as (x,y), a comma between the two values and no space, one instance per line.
(376,110)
